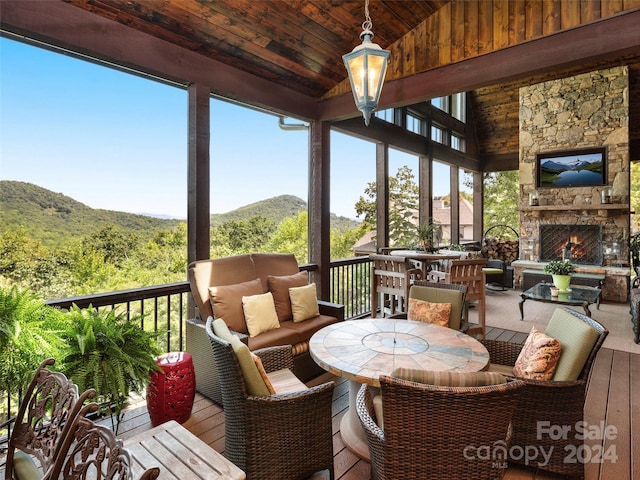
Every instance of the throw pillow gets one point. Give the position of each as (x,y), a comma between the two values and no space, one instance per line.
(226,301)
(304,302)
(429,312)
(260,313)
(538,357)
(449,379)
(263,373)
(279,286)
(255,381)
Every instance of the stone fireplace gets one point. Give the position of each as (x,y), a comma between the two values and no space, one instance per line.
(585,111)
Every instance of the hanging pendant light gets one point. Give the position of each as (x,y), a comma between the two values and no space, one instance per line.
(367,66)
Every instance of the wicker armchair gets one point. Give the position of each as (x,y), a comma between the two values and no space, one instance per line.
(432,432)
(284,436)
(561,403)
(47,411)
(91,448)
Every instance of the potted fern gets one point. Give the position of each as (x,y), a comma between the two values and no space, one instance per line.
(560,271)
(110,352)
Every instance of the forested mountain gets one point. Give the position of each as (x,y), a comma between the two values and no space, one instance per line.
(54,218)
(276,209)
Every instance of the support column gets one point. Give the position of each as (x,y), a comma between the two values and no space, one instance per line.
(382,195)
(198,207)
(320,205)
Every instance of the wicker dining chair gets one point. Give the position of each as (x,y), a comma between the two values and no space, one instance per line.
(284,436)
(91,451)
(557,403)
(45,415)
(434,432)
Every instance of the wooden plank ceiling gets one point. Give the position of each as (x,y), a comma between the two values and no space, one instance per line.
(299,44)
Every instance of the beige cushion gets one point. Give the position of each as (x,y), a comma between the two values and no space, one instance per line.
(279,286)
(260,313)
(24,468)
(429,312)
(577,339)
(539,356)
(284,381)
(304,302)
(253,380)
(226,301)
(449,379)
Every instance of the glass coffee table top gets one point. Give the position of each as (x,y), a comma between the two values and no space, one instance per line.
(577,295)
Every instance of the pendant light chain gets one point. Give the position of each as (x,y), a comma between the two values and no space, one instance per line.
(367,25)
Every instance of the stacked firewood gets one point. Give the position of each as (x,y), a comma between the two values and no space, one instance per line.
(496,248)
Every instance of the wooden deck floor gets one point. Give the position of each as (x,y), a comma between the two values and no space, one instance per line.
(613,398)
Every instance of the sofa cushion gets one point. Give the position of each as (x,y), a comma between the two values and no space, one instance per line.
(304,302)
(275,337)
(259,313)
(278,264)
(429,312)
(253,381)
(279,286)
(577,339)
(539,356)
(305,330)
(226,301)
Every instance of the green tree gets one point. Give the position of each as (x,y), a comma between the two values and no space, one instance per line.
(244,236)
(403,207)
(292,237)
(501,194)
(113,242)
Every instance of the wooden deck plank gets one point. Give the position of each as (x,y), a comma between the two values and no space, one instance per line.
(607,398)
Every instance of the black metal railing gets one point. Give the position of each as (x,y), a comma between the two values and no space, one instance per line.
(166,307)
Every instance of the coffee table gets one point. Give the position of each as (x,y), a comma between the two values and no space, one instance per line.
(362,350)
(578,295)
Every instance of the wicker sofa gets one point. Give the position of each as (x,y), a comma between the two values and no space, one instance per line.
(276,273)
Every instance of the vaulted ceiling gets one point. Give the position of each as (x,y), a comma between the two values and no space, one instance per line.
(286,55)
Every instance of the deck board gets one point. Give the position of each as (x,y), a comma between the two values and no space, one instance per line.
(613,396)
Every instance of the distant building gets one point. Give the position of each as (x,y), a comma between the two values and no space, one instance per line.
(441,214)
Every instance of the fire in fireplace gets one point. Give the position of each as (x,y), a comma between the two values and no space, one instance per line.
(582,244)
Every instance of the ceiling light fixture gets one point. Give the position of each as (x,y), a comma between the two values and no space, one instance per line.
(367,66)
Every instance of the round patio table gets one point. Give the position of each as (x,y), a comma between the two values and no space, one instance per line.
(362,350)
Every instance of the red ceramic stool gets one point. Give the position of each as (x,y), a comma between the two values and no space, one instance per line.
(170,393)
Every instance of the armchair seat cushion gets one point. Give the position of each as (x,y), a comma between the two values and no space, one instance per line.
(284,381)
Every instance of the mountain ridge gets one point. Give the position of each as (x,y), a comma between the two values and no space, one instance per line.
(54,218)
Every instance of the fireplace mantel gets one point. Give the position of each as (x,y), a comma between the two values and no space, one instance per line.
(612,208)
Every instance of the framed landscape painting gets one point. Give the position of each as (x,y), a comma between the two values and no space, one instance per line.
(572,168)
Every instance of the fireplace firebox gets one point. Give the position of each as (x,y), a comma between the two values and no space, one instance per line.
(582,244)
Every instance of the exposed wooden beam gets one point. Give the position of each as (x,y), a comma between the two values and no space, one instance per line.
(612,37)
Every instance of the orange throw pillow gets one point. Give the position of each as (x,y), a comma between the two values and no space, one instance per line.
(429,312)
(538,357)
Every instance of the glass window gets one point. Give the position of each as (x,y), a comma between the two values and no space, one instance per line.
(457,142)
(415,124)
(441,102)
(441,196)
(458,106)
(386,114)
(438,134)
(465,223)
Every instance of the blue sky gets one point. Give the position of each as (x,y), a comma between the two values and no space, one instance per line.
(116,141)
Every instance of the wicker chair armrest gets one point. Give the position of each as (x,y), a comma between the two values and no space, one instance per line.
(364,408)
(276,358)
(331,309)
(301,409)
(502,353)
